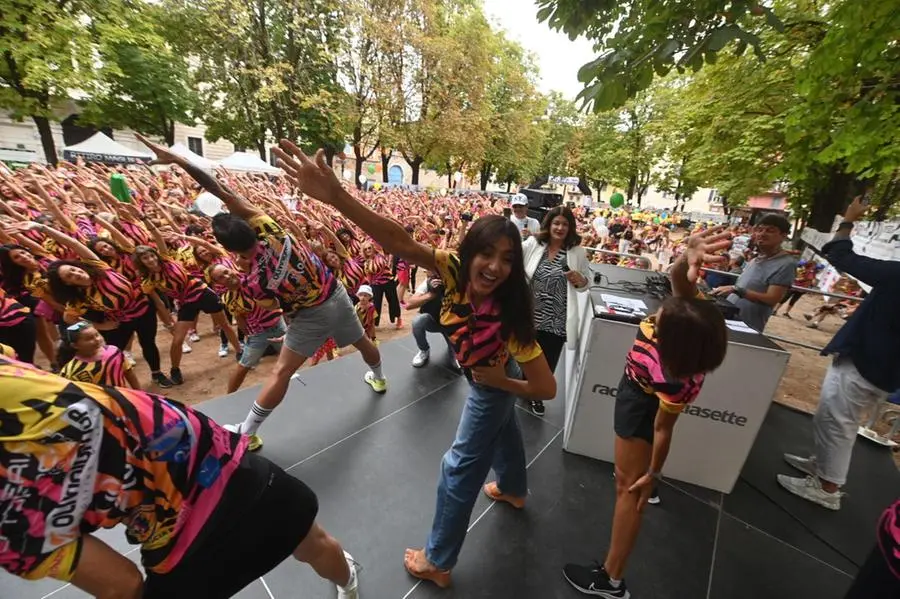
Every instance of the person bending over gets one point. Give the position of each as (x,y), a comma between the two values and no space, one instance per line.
(664,371)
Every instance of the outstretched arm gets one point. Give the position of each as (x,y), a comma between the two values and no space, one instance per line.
(700,249)
(83,251)
(316,179)
(236,204)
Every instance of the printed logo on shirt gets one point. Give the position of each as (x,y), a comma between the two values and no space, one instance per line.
(78,487)
(604,390)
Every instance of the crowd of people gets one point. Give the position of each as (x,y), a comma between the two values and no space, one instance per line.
(299,267)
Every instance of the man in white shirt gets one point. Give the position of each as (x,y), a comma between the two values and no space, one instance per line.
(526,225)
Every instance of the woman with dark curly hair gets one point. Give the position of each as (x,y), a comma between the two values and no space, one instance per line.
(92,290)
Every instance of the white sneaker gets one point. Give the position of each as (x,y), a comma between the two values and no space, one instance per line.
(421,358)
(185,348)
(223,351)
(804,465)
(351,591)
(194,337)
(810,488)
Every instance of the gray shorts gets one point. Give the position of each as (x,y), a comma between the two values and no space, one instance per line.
(335,317)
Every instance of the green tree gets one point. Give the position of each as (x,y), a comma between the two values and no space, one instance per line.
(265,70)
(515,108)
(440,82)
(843,131)
(146,88)
(560,125)
(50,51)
(643,39)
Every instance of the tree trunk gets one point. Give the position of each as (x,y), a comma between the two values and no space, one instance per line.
(508,185)
(385,163)
(330,151)
(43,125)
(170,133)
(632,185)
(357,167)
(830,198)
(415,164)
(485,174)
(261,148)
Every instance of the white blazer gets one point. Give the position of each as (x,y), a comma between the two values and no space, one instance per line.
(577,260)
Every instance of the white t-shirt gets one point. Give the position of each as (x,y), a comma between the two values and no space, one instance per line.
(531,224)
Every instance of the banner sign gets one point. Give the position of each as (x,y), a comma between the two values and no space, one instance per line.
(70,156)
(564,180)
(879,240)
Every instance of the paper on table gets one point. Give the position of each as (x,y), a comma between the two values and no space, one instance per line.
(614,301)
(739,326)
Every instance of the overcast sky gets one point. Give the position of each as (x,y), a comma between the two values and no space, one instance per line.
(558,59)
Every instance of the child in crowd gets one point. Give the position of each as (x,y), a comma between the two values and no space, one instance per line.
(87,359)
(365,310)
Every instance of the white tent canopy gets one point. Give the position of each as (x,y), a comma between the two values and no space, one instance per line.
(101,148)
(248,162)
(195,159)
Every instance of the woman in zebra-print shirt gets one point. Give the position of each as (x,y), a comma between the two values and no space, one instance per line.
(558,268)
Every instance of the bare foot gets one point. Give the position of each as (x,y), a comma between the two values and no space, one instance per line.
(418,565)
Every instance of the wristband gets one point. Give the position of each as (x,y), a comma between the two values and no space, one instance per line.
(845,224)
(739,291)
(655,475)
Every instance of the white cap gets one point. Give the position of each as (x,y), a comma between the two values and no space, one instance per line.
(365,290)
(520,199)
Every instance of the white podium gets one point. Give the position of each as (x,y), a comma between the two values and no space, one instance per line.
(713,436)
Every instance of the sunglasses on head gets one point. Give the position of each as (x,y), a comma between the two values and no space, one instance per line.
(73,330)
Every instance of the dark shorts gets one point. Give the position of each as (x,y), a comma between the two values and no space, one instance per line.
(208,302)
(263,516)
(635,412)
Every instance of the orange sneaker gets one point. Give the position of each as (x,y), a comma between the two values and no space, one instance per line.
(419,567)
(493,491)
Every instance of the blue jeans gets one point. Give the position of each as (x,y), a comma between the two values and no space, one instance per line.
(425,323)
(488,436)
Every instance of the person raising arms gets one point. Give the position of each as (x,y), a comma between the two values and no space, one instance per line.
(290,271)
(486,314)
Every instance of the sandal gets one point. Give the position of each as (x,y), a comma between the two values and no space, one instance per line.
(438,577)
(493,491)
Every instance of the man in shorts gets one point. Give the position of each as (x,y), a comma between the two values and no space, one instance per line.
(312,297)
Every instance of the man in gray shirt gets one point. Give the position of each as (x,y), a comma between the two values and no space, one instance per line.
(767,277)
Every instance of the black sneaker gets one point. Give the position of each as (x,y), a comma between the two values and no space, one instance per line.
(176,377)
(537,408)
(593,580)
(162,380)
(654,498)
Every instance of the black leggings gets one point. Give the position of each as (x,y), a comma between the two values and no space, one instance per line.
(552,346)
(874,580)
(145,327)
(792,295)
(22,338)
(388,290)
(222,336)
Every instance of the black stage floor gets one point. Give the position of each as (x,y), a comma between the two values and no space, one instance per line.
(374,461)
